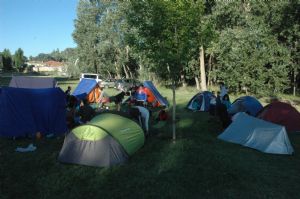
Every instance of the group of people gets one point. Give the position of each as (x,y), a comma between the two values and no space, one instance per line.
(79,112)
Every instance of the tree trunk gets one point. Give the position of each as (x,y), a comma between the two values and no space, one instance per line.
(130,73)
(110,76)
(117,71)
(125,71)
(295,81)
(209,70)
(202,70)
(197,83)
(95,67)
(174,113)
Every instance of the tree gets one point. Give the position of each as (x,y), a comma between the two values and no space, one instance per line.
(7,60)
(1,62)
(246,45)
(85,33)
(19,59)
(164,32)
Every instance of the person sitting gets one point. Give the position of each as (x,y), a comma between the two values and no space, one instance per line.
(104,97)
(71,112)
(86,112)
(141,96)
(163,115)
(226,101)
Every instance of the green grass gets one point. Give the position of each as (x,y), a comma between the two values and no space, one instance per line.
(197,165)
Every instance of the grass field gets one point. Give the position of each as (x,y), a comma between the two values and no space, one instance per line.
(197,165)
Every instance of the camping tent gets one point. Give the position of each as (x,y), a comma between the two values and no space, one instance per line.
(32,82)
(245,104)
(283,114)
(258,134)
(155,94)
(108,139)
(28,111)
(203,99)
(89,89)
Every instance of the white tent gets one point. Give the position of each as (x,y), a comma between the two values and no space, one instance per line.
(258,134)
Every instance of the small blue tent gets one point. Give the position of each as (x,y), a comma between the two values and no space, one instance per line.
(202,100)
(245,104)
(28,111)
(87,88)
(159,98)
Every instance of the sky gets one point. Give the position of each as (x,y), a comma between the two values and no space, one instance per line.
(37,26)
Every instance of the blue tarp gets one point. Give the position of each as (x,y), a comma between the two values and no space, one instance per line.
(247,104)
(151,87)
(28,111)
(84,87)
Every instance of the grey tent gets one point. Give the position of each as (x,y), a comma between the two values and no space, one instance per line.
(32,82)
(108,139)
(258,134)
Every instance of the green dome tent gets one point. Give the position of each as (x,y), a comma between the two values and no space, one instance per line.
(108,139)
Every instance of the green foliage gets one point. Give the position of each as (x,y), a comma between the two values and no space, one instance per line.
(248,53)
(161,40)
(19,59)
(7,60)
(253,59)
(166,32)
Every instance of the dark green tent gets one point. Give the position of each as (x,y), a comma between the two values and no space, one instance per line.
(108,139)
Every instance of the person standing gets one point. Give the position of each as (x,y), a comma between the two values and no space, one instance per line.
(68,93)
(145,114)
(223,90)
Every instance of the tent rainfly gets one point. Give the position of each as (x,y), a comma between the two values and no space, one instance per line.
(32,82)
(26,111)
(247,104)
(283,114)
(108,139)
(89,89)
(257,134)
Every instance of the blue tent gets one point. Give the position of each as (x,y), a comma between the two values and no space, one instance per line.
(28,111)
(245,104)
(159,98)
(84,87)
(32,82)
(200,101)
